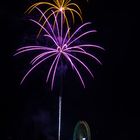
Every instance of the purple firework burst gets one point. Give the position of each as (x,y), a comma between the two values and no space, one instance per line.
(63,45)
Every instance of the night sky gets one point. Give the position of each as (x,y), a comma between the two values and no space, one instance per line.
(109,103)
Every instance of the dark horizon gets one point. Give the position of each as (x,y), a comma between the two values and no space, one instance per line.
(109,103)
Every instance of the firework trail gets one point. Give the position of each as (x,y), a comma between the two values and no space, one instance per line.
(62,46)
(62,7)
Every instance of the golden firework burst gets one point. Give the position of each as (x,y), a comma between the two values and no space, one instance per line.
(58,6)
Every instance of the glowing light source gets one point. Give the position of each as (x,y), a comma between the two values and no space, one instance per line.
(62,9)
(82,131)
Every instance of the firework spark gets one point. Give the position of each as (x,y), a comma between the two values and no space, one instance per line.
(62,7)
(63,46)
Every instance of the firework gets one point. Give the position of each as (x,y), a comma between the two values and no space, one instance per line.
(63,7)
(62,46)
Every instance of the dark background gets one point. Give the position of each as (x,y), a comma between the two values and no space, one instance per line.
(109,104)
